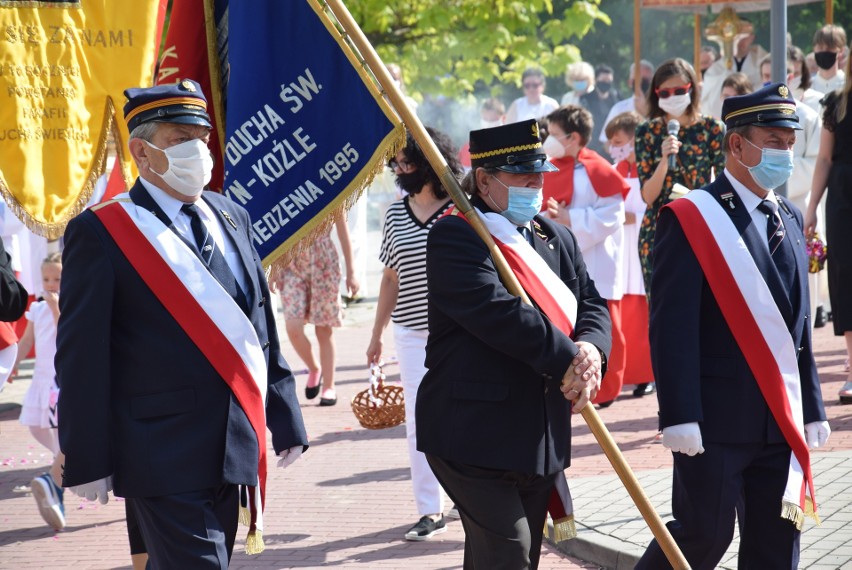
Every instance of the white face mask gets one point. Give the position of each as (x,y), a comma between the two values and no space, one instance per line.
(675,105)
(794,81)
(190,166)
(619,153)
(484,124)
(552,147)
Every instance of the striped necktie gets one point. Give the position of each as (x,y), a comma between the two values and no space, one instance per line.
(212,257)
(774,226)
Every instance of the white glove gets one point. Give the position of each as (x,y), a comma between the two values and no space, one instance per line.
(816,434)
(95,490)
(683,438)
(288,456)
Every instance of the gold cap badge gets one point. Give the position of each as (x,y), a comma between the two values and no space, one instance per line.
(783,91)
(535,130)
(187,85)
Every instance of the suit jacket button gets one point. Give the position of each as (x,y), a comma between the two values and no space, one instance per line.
(262,302)
(545,389)
(265,345)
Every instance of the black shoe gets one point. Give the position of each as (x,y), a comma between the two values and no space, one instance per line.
(820,317)
(312,392)
(644,389)
(328,401)
(605,404)
(426,528)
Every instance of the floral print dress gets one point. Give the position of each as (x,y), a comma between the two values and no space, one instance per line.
(699,156)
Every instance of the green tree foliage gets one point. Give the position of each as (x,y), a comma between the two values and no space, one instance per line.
(456,47)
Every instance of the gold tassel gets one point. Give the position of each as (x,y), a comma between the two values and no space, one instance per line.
(254,542)
(564,529)
(245,516)
(810,512)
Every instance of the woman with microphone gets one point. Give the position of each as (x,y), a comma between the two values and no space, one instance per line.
(677,148)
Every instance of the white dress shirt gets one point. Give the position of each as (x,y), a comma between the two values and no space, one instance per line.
(172,209)
(751,201)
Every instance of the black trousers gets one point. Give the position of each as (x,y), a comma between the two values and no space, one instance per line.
(503,513)
(193,530)
(709,489)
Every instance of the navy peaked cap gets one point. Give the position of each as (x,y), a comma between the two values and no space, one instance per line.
(182,102)
(769,106)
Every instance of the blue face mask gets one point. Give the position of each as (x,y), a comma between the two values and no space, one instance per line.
(524,203)
(774,168)
(581,85)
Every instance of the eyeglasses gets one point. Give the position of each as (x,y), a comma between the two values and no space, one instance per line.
(401,164)
(668,92)
(532,85)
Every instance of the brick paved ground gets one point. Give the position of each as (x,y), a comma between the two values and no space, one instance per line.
(347,502)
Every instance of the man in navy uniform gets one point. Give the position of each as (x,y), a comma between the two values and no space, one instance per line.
(739,395)
(494,409)
(167,352)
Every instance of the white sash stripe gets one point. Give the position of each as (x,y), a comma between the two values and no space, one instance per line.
(760,302)
(507,232)
(205,289)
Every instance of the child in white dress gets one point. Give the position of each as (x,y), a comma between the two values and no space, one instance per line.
(38,410)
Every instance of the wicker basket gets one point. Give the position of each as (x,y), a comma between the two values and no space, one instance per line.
(379,406)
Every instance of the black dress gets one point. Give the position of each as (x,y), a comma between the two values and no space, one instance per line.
(838,214)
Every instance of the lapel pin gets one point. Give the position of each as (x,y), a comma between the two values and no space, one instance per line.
(728,197)
(228,217)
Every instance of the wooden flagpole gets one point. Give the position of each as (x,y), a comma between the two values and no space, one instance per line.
(436,160)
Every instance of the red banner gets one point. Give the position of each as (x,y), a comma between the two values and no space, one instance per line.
(185,55)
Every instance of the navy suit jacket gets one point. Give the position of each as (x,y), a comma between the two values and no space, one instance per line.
(701,372)
(138,400)
(491,395)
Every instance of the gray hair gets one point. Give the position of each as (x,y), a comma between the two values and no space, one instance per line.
(743,131)
(644,64)
(468,183)
(145,131)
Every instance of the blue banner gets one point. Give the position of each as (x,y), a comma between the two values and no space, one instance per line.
(305,131)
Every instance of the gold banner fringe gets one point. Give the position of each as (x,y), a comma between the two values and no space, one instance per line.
(54,230)
(563,529)
(392,143)
(254,543)
(36,4)
(321,224)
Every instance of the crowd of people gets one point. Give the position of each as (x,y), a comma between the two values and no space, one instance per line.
(647,233)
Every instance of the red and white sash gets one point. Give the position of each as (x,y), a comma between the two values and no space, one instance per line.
(559,304)
(554,298)
(759,329)
(206,312)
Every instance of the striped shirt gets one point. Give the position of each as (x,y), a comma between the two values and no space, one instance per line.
(404,250)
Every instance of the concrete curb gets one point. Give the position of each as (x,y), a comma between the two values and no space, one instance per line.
(599,549)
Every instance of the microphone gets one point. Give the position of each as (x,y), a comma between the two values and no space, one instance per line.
(673,127)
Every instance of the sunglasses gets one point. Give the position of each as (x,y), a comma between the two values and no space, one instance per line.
(532,85)
(668,92)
